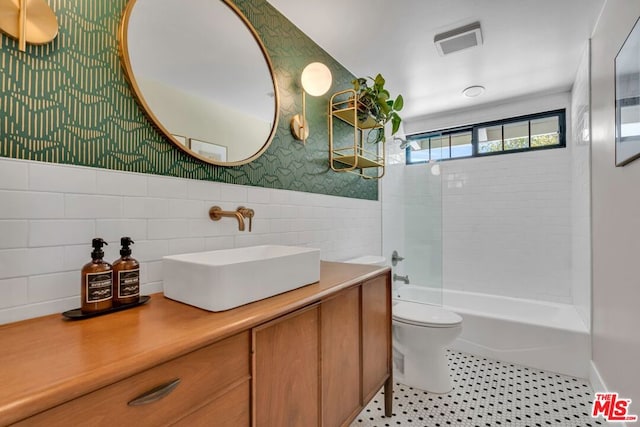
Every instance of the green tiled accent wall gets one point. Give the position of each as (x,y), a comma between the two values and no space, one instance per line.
(69,102)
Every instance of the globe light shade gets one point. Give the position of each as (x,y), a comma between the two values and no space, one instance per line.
(316,79)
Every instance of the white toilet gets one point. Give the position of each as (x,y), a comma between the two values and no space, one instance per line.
(421,334)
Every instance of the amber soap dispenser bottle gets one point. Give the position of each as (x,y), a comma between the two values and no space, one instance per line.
(97,281)
(126,276)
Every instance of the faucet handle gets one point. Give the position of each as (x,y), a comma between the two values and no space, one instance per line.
(395,258)
(247,213)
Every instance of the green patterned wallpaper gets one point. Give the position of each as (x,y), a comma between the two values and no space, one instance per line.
(69,102)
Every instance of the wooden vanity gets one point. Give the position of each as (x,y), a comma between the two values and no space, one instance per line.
(313,356)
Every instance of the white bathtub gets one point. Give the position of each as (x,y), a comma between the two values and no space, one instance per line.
(542,335)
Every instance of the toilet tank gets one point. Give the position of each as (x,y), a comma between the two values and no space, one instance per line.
(368,259)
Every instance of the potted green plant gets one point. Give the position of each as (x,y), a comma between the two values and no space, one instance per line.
(375,101)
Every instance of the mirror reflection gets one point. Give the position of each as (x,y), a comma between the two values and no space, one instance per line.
(201,73)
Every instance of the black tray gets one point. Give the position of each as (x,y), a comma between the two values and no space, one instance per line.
(77,314)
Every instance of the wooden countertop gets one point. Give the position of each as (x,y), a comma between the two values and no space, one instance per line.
(48,360)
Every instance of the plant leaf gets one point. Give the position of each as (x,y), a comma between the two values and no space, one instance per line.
(379,80)
(386,109)
(395,123)
(399,103)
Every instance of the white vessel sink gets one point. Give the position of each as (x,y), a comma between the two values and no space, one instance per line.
(225,279)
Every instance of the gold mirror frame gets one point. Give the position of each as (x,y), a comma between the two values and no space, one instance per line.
(125,61)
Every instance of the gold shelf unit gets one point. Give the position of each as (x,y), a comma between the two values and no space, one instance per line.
(354,159)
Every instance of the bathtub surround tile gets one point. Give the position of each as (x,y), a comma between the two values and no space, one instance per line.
(486,204)
(488,393)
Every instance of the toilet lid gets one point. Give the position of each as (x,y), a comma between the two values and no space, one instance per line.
(425,315)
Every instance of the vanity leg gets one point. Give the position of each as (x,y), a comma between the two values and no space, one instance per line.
(388,396)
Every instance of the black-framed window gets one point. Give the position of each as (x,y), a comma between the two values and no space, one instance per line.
(539,131)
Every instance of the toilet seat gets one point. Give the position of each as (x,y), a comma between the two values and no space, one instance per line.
(427,315)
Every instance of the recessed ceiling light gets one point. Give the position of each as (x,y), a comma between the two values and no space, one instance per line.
(473,91)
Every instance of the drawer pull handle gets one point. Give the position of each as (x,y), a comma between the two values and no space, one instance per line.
(155,393)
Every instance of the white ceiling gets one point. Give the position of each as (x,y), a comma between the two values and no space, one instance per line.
(530,46)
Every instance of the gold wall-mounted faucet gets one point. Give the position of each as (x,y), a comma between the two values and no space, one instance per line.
(216,213)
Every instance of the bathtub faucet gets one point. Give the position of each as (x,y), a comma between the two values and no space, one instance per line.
(404,279)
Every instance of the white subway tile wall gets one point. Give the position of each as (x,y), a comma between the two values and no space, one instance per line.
(49,213)
(507,225)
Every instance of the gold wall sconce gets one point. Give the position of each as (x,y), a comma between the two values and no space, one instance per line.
(28,21)
(316,81)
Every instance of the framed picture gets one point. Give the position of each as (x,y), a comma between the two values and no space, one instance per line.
(627,72)
(209,150)
(181,139)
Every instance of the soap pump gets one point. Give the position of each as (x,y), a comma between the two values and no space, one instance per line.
(97,281)
(126,276)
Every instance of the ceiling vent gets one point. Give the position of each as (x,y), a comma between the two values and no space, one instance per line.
(458,39)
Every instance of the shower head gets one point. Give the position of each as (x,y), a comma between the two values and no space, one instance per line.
(404,143)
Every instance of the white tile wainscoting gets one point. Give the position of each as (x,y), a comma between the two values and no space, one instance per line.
(49,213)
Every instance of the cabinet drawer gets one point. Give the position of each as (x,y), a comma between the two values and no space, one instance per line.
(232,409)
(202,374)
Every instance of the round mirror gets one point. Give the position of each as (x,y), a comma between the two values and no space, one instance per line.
(201,73)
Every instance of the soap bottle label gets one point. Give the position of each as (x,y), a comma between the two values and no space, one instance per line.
(129,281)
(99,286)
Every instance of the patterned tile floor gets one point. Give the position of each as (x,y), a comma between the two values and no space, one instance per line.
(489,393)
